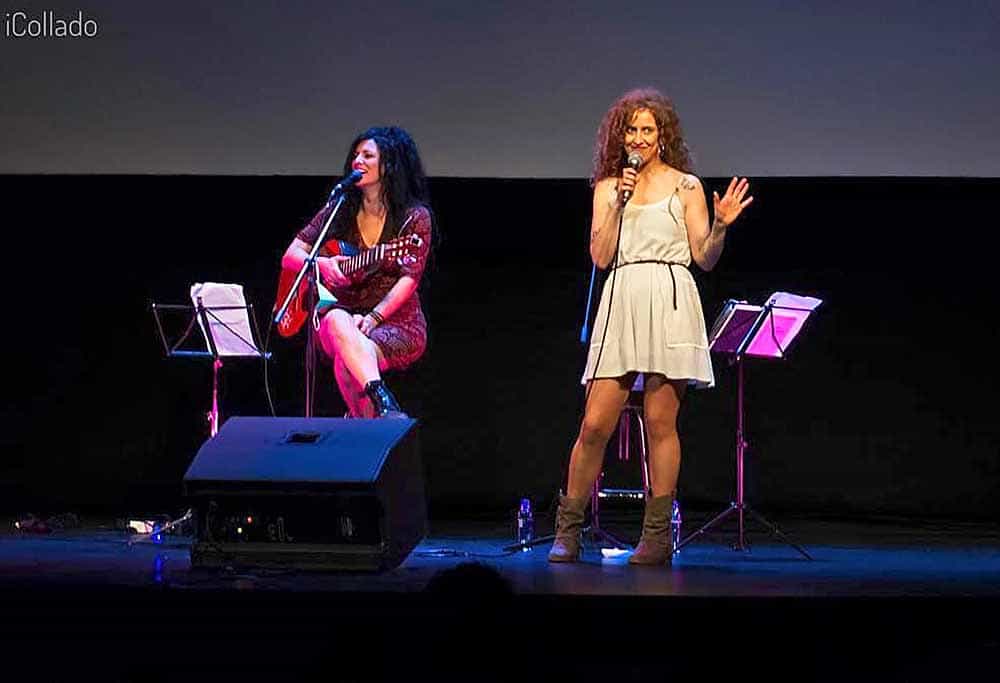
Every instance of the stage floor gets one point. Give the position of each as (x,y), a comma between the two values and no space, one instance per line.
(849,560)
(879,601)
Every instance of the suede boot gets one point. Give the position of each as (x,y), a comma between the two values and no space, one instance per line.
(569,523)
(656,546)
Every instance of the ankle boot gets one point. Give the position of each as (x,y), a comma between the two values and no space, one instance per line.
(569,523)
(656,546)
(382,400)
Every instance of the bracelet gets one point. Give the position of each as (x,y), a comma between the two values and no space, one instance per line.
(377,316)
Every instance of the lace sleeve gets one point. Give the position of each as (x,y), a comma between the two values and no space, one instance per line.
(310,233)
(420,225)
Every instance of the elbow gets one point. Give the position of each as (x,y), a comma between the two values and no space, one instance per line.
(290,260)
(600,260)
(703,262)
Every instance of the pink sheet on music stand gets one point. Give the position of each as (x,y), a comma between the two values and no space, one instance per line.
(733,326)
(776,332)
(784,317)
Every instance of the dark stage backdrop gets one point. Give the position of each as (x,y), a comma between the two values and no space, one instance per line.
(885,405)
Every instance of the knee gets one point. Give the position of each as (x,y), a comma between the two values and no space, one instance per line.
(594,434)
(661,428)
(337,330)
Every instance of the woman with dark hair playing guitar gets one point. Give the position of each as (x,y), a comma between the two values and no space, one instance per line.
(377,323)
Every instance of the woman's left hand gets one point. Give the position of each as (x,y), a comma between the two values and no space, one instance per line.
(732,203)
(365,323)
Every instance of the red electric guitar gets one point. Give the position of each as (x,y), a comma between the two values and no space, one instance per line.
(401,250)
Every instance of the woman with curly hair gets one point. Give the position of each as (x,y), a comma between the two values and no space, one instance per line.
(377,323)
(650,220)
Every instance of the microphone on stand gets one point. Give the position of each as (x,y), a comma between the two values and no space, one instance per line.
(349,180)
(634,161)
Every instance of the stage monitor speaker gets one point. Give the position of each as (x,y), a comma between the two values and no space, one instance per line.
(308,493)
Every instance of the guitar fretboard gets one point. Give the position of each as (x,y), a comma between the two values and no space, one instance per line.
(363,260)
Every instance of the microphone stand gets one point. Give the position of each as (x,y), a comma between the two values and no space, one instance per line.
(310,270)
(593,530)
(585,330)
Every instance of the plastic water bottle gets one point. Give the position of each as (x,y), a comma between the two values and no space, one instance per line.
(675,523)
(525,523)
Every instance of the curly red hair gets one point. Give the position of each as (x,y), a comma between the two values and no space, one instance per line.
(609,151)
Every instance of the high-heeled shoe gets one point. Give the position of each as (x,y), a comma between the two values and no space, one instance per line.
(383,401)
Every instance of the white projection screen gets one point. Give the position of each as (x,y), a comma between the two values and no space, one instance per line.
(500,89)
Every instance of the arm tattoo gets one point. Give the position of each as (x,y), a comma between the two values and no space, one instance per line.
(687,184)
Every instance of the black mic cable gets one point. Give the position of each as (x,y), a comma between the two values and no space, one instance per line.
(634,161)
(607,318)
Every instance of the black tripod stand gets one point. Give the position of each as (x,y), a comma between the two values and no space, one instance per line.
(744,330)
(228,324)
(739,507)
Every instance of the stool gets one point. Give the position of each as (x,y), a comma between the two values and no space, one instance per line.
(593,533)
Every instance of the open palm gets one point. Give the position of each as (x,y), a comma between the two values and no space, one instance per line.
(732,203)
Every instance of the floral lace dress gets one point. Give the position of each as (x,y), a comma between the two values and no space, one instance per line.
(402,338)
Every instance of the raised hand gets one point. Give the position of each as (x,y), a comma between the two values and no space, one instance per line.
(732,203)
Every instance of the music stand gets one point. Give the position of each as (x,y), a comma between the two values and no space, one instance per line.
(766,331)
(225,319)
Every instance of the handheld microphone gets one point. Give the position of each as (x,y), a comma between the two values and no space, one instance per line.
(634,161)
(354,177)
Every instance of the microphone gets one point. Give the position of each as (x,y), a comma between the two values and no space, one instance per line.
(354,177)
(634,161)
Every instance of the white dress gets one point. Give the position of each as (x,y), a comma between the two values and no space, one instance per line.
(657,324)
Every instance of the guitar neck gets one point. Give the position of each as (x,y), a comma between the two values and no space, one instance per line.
(364,260)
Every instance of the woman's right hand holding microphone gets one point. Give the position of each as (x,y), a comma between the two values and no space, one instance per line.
(626,186)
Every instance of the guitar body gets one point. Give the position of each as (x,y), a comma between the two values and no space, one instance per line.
(401,250)
(296,315)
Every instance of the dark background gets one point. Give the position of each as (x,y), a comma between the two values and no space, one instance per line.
(884,406)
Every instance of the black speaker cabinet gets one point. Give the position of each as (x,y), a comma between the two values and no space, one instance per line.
(308,493)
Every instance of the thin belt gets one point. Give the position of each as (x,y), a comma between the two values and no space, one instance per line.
(670,268)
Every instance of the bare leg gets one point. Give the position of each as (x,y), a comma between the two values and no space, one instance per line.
(662,402)
(341,338)
(358,363)
(604,406)
(358,404)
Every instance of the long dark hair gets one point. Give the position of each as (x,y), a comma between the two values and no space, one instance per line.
(404,185)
